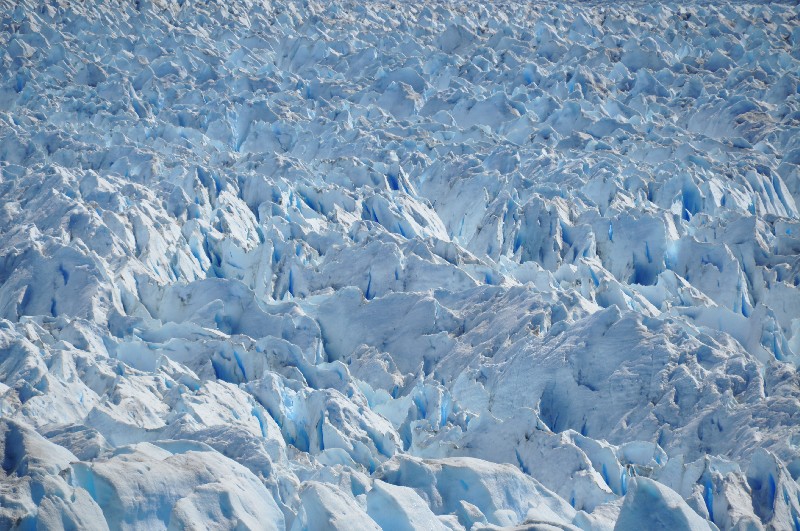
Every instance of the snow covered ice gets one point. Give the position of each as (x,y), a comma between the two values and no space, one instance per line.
(418,265)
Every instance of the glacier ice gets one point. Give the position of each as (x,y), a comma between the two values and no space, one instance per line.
(381,265)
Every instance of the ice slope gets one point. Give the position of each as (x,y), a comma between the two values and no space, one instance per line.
(415,265)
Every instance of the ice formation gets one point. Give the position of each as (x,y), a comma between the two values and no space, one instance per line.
(428,265)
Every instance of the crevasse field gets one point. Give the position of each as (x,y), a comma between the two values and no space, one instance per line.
(418,265)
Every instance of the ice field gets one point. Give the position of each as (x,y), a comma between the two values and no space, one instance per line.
(358,265)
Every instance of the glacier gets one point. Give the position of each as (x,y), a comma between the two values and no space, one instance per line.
(357,264)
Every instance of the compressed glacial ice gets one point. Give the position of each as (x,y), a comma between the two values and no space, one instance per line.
(464,265)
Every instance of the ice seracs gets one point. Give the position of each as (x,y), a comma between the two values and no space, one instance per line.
(405,266)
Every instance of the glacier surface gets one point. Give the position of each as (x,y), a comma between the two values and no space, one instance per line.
(303,265)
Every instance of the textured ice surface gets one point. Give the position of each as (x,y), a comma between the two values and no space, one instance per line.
(432,265)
